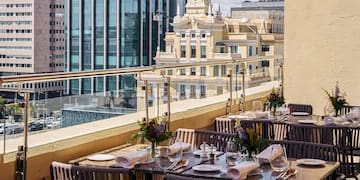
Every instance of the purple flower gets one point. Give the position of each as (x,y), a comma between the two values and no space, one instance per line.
(160,128)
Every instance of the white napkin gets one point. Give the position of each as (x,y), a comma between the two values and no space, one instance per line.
(260,114)
(176,147)
(130,160)
(241,171)
(270,153)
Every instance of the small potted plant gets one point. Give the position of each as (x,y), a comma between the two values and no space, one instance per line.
(337,99)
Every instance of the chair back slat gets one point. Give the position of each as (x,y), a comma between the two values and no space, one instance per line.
(300,108)
(211,137)
(185,135)
(225,125)
(61,171)
(300,149)
(101,173)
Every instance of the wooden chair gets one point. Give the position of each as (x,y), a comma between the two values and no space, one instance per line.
(186,135)
(300,149)
(347,109)
(280,130)
(225,125)
(211,137)
(61,171)
(103,173)
(300,108)
(338,136)
(264,127)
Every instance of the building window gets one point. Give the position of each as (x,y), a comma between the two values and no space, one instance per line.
(193,91)
(202,91)
(216,70)
(233,49)
(193,51)
(231,28)
(203,51)
(170,72)
(193,35)
(182,91)
(203,35)
(250,50)
(182,71)
(223,70)
(265,47)
(203,71)
(219,90)
(193,71)
(183,51)
(183,35)
(222,50)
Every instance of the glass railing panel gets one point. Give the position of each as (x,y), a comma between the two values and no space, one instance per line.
(79,101)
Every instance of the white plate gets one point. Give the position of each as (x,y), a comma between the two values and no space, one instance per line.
(300,114)
(307,121)
(101,157)
(198,152)
(312,162)
(206,168)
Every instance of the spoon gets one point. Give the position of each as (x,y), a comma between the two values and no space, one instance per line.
(291,172)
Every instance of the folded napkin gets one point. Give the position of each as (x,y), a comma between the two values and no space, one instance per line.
(130,160)
(176,147)
(241,171)
(270,153)
(262,115)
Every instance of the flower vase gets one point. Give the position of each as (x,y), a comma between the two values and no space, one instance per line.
(250,156)
(153,147)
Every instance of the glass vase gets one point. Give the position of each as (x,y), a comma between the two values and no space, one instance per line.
(250,156)
(153,149)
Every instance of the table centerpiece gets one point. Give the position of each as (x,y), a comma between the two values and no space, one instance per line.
(274,100)
(337,99)
(154,132)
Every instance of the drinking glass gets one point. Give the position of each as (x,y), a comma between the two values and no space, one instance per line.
(280,163)
(230,151)
(175,156)
(257,106)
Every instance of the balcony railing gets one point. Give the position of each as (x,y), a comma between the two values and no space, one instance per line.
(112,99)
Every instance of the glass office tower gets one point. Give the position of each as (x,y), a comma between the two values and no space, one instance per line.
(109,34)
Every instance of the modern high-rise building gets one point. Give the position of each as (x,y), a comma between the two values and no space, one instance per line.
(110,34)
(32,40)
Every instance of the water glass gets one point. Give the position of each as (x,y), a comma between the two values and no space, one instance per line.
(280,163)
(173,157)
(257,106)
(230,151)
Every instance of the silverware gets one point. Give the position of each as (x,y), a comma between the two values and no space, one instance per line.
(173,164)
(291,172)
(181,164)
(282,174)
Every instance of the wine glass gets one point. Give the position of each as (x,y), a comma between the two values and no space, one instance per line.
(256,106)
(230,151)
(175,151)
(280,162)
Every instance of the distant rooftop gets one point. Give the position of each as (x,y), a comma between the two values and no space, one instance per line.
(265,5)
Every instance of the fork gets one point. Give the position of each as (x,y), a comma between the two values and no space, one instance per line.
(173,164)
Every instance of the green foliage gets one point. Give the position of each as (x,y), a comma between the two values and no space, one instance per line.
(153,131)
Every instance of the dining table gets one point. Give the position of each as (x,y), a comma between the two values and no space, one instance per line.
(149,169)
